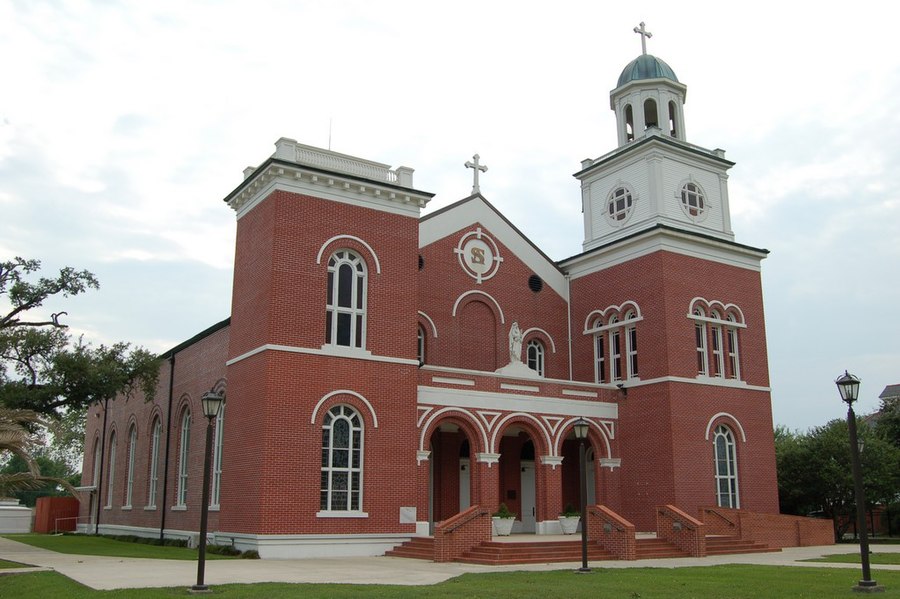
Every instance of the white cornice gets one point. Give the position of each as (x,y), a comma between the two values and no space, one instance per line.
(338,187)
(511,402)
(668,240)
(329,351)
(700,380)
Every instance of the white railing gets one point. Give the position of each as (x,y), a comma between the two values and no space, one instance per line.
(289,149)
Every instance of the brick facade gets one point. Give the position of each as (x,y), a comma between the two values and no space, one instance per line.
(467,425)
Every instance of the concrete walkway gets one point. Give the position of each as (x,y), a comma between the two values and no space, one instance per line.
(117,573)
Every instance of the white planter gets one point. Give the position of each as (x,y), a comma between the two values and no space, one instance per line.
(502,526)
(569,524)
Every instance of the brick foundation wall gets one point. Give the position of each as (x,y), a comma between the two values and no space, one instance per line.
(775,530)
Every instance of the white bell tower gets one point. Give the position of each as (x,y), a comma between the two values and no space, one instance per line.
(654,178)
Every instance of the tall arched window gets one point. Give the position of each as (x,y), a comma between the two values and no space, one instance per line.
(535,354)
(599,353)
(95,477)
(631,362)
(700,337)
(673,120)
(734,361)
(183,458)
(345,312)
(216,489)
(129,482)
(718,357)
(420,344)
(629,123)
(154,462)
(342,460)
(615,351)
(111,471)
(651,116)
(726,468)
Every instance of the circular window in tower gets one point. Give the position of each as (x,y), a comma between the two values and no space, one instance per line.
(693,201)
(619,205)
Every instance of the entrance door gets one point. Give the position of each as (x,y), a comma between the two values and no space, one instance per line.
(464,484)
(528,507)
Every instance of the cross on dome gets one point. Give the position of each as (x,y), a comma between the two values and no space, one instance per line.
(478,167)
(644,35)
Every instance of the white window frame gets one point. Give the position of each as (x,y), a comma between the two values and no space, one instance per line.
(734,357)
(420,344)
(184,448)
(599,356)
(726,469)
(615,351)
(534,353)
(97,465)
(111,472)
(700,342)
(631,363)
(328,500)
(129,482)
(718,354)
(154,462)
(358,299)
(216,489)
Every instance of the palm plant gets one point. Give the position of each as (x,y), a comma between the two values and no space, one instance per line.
(16,438)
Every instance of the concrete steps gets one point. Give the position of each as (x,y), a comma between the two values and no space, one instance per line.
(719,545)
(656,549)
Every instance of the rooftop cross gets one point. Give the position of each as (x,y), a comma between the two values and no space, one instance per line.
(477,167)
(644,35)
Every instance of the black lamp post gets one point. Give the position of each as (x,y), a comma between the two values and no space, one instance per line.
(212,403)
(848,386)
(581,432)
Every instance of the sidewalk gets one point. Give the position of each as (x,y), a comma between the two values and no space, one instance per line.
(116,573)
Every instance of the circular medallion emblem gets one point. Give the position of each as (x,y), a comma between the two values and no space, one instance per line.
(478,255)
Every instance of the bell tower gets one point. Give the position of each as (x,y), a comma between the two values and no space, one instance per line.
(655,177)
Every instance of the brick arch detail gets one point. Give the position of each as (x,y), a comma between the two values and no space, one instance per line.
(474,295)
(536,333)
(537,430)
(475,431)
(357,246)
(596,432)
(725,417)
(355,403)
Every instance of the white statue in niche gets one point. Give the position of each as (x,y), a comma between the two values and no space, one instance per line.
(515,344)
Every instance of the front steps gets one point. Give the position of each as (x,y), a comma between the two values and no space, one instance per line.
(495,553)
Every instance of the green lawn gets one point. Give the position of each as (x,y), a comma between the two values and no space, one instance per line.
(5,565)
(853,558)
(91,545)
(731,582)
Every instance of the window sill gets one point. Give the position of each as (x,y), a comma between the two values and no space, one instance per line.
(214,508)
(346,351)
(126,508)
(107,508)
(179,508)
(150,508)
(324,514)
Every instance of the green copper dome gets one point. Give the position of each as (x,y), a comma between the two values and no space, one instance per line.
(646,66)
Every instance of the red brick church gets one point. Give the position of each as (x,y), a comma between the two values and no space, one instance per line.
(386,371)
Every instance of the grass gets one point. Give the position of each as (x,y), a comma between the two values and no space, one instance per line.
(853,558)
(6,565)
(732,582)
(91,545)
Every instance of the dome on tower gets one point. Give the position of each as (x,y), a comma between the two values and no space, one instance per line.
(646,66)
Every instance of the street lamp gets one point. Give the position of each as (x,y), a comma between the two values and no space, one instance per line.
(581,432)
(211,403)
(848,386)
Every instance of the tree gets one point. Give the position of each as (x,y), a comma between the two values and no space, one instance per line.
(41,368)
(815,473)
(21,472)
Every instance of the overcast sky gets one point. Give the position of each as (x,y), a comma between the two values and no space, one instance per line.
(124,124)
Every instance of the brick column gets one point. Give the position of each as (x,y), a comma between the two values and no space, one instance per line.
(485,486)
(549,488)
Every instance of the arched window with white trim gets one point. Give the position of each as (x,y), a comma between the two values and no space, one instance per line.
(111,471)
(631,362)
(599,353)
(154,462)
(216,489)
(420,344)
(345,312)
(129,479)
(342,461)
(183,458)
(726,472)
(718,357)
(535,355)
(700,339)
(615,351)
(734,362)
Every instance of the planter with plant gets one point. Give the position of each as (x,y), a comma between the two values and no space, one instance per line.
(503,520)
(568,519)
